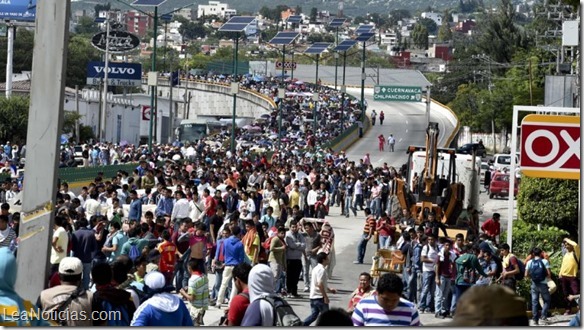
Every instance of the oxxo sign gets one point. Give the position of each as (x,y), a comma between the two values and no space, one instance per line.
(550,146)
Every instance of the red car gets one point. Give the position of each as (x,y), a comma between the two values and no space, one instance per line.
(500,185)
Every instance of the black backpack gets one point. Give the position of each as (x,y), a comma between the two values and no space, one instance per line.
(284,315)
(537,271)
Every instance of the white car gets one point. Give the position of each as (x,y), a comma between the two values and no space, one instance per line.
(484,169)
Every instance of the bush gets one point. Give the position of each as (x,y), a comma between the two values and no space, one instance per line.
(549,202)
(549,239)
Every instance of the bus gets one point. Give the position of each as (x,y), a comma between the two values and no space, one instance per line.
(191,130)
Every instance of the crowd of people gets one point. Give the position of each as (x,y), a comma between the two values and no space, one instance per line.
(141,244)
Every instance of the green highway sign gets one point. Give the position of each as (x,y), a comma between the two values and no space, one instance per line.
(397,93)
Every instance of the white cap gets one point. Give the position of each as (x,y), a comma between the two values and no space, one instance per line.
(70,266)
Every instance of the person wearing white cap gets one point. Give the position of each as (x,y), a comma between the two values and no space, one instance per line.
(70,295)
(163,309)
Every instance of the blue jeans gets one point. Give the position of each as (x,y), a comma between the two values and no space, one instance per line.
(441,302)
(384,242)
(412,286)
(575,321)
(459,289)
(362,248)
(86,272)
(333,197)
(375,207)
(536,290)
(428,289)
(358,201)
(317,306)
(217,286)
(349,205)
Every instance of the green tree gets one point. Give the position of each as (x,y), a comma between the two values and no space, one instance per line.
(397,15)
(444,33)
(420,36)
(499,35)
(429,24)
(80,52)
(549,202)
(86,25)
(14,118)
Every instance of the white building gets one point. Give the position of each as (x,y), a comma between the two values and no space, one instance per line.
(215,8)
(436,17)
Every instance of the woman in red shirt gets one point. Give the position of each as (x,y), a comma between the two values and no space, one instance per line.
(386,230)
(381,142)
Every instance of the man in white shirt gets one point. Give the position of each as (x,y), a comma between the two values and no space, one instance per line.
(358,191)
(59,244)
(319,300)
(181,207)
(92,205)
(311,200)
(429,257)
(245,203)
(197,207)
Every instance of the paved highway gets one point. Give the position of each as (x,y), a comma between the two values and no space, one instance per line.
(407,122)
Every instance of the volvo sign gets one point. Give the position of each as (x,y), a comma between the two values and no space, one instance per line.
(119,41)
(119,74)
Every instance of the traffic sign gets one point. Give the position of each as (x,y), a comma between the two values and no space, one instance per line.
(287,65)
(397,93)
(146,112)
(550,146)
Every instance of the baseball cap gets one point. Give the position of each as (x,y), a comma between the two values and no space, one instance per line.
(482,303)
(70,266)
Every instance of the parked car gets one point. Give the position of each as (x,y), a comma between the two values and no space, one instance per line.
(503,161)
(467,149)
(500,185)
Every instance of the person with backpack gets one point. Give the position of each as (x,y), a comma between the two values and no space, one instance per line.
(415,269)
(69,296)
(239,304)
(538,269)
(109,299)
(260,312)
(467,265)
(163,309)
(513,268)
(319,300)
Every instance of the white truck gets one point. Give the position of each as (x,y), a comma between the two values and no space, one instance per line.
(464,173)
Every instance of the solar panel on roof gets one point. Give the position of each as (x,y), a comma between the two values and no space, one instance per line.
(294,19)
(364,36)
(345,45)
(241,19)
(317,48)
(237,24)
(154,3)
(337,22)
(364,28)
(284,38)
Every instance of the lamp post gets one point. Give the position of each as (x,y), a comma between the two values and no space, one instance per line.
(281,97)
(153,67)
(363,76)
(234,91)
(105,80)
(315,110)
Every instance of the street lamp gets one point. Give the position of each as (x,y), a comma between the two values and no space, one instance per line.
(155,4)
(235,24)
(344,47)
(317,48)
(283,38)
(336,23)
(363,35)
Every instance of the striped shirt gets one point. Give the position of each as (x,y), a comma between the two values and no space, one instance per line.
(369,223)
(199,288)
(369,313)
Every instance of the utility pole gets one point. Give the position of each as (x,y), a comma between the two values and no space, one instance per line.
(9,60)
(45,123)
(77,138)
(103,119)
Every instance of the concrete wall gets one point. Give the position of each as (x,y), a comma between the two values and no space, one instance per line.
(210,99)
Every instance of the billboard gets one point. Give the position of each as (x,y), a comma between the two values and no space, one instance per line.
(18,10)
(119,74)
(550,146)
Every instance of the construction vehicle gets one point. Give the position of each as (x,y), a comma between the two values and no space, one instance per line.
(431,191)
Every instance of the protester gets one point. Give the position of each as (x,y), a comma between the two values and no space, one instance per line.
(387,307)
(260,312)
(163,308)
(569,270)
(364,290)
(240,302)
(319,300)
(197,294)
(69,296)
(538,269)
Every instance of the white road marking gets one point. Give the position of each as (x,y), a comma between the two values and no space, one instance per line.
(400,140)
(406,130)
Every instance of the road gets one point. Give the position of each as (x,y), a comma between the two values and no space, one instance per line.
(407,121)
